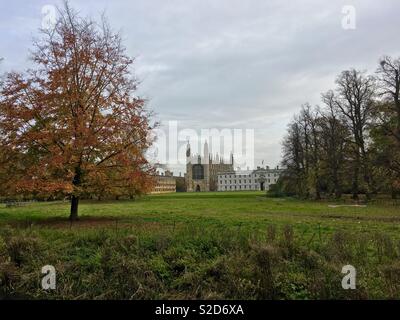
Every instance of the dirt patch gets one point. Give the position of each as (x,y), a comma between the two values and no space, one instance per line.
(88,223)
(347,205)
(363,218)
(64,223)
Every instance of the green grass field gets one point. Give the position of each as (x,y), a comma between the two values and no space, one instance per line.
(201,246)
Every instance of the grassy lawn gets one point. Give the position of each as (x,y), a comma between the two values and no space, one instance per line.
(201,245)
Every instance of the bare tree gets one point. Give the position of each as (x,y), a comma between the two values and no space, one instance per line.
(309,119)
(302,153)
(387,122)
(389,83)
(354,100)
(334,135)
(293,159)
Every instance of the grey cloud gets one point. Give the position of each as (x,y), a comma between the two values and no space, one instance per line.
(230,63)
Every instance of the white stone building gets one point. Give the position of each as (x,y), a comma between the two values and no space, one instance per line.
(259,179)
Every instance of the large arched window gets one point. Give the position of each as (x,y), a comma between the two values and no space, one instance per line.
(198,171)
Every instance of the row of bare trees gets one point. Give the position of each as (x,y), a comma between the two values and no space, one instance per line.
(351,143)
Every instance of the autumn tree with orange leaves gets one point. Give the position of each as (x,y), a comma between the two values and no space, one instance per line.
(72,124)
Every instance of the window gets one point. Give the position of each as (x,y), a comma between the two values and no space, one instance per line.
(198,171)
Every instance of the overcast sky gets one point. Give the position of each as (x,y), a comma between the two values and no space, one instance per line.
(228,63)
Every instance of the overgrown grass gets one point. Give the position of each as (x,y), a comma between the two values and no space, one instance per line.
(201,246)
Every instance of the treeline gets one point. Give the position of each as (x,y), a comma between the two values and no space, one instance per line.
(350,144)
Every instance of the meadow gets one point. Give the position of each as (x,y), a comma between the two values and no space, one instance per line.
(239,245)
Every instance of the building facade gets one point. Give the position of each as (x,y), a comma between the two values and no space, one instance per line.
(164,183)
(259,179)
(202,171)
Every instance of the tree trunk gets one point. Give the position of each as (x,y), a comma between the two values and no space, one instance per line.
(394,194)
(317,190)
(75,199)
(397,103)
(355,190)
(367,173)
(336,185)
(74,208)
(338,194)
(368,183)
